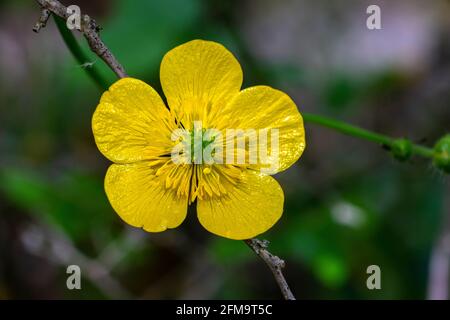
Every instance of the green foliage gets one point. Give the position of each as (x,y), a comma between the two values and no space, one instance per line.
(73,202)
(151,28)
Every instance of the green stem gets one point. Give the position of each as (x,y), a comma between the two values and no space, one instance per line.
(347,129)
(358,132)
(72,43)
(423,151)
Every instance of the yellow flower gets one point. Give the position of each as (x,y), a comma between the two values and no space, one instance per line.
(133,128)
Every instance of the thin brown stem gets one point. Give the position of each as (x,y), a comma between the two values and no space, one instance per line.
(89,28)
(274,263)
(42,22)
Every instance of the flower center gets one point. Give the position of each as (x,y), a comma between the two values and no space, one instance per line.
(199,141)
(195,169)
(198,176)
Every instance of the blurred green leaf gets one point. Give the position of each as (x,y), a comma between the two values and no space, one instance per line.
(74,202)
(140,32)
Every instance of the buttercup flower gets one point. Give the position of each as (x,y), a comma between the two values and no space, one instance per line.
(135,129)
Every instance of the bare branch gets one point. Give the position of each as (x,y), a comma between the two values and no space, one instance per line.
(275,264)
(42,22)
(89,28)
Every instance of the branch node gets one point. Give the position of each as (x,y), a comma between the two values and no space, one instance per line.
(275,264)
(89,29)
(42,22)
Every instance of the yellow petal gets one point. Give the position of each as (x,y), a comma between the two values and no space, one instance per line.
(131,123)
(262,107)
(141,199)
(249,209)
(198,78)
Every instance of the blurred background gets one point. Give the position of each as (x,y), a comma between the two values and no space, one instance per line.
(348,204)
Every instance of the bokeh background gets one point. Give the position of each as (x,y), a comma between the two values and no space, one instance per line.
(348,205)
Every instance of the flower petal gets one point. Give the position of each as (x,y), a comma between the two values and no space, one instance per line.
(131,123)
(251,208)
(262,107)
(198,78)
(141,199)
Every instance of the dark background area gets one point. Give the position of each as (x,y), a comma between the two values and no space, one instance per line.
(348,204)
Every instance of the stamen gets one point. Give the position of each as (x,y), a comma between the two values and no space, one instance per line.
(196,180)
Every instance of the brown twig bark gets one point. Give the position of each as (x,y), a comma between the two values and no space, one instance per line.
(275,264)
(90,30)
(42,22)
(88,27)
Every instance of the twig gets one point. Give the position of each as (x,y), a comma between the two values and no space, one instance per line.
(89,28)
(275,264)
(42,22)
